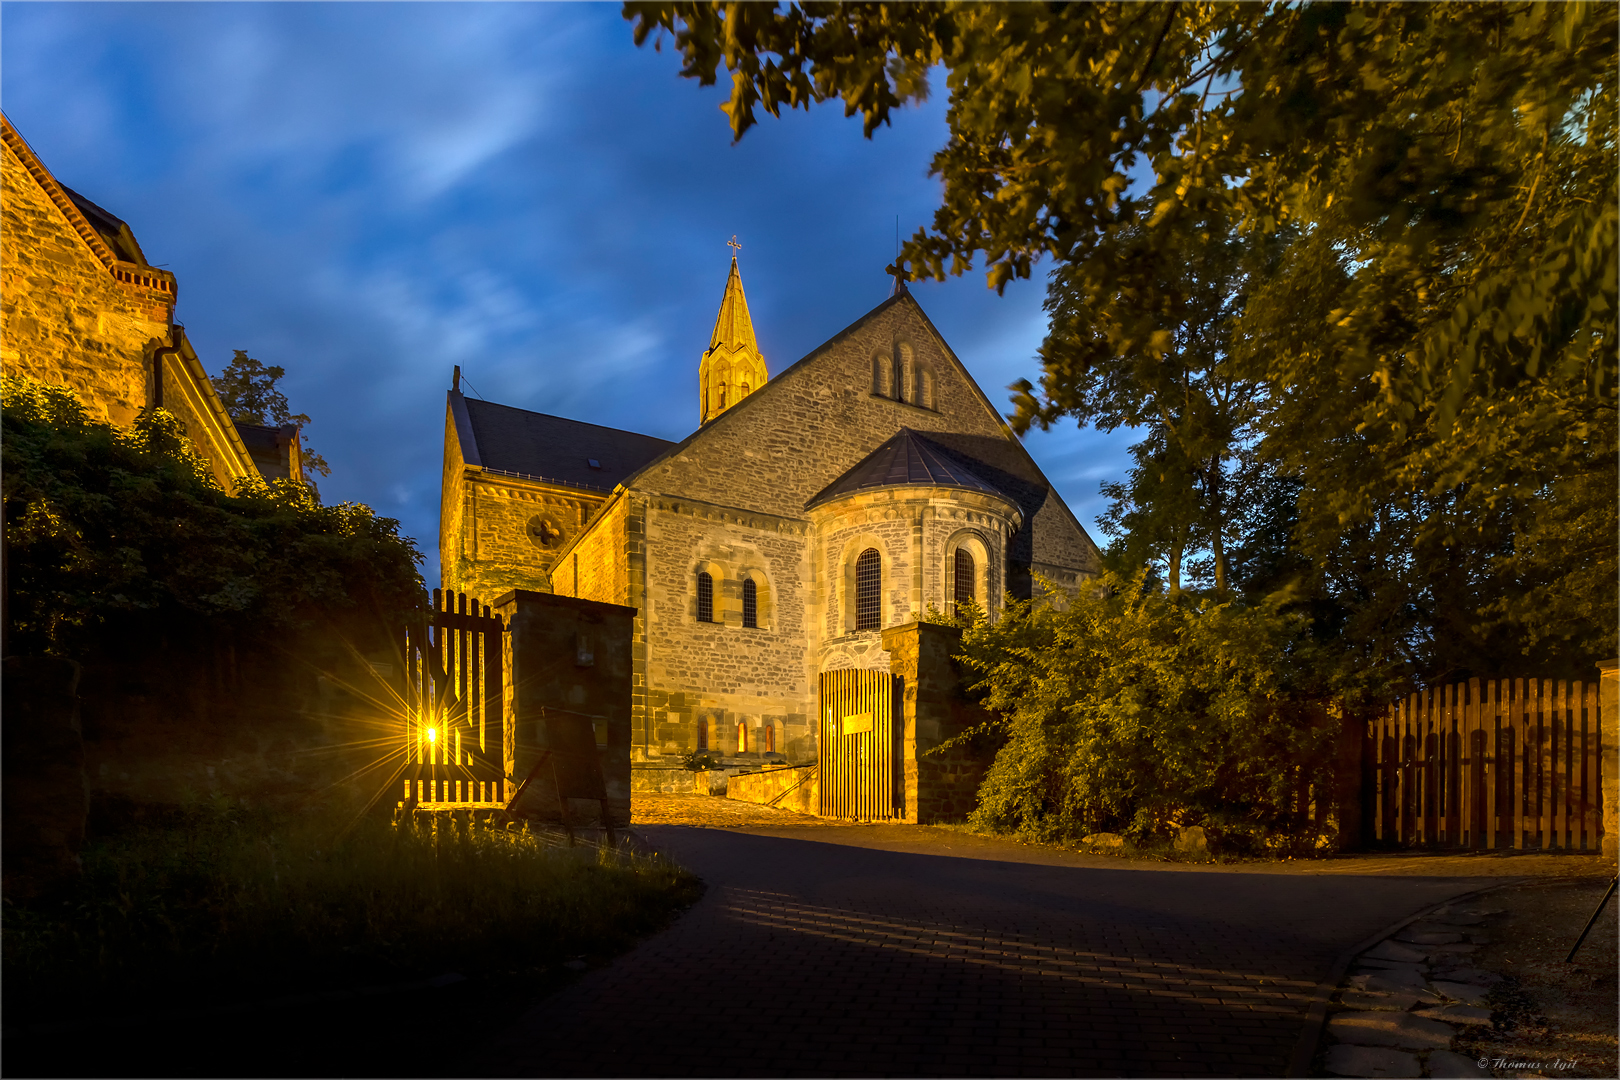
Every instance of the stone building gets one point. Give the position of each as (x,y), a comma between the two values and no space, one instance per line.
(862,486)
(80,306)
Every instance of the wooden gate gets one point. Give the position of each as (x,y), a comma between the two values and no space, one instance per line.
(457,741)
(1499,764)
(861,763)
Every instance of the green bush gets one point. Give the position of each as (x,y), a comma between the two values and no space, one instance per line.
(221,902)
(112,527)
(1131,711)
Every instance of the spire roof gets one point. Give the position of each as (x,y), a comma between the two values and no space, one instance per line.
(733,329)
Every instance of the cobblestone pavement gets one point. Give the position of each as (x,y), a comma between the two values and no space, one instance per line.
(892,950)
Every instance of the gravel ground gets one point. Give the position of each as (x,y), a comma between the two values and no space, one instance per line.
(1553,1018)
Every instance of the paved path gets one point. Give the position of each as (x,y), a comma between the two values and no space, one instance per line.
(867,951)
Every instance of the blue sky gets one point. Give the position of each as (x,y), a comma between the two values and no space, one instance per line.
(368,194)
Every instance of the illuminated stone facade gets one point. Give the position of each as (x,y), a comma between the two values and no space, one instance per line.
(81,307)
(738,547)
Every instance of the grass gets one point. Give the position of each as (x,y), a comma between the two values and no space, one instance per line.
(222,904)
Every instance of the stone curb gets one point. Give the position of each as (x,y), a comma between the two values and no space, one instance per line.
(1310,1039)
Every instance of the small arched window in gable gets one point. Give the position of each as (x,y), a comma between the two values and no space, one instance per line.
(869,591)
(750,600)
(964,581)
(705,597)
(926,400)
(882,376)
(908,375)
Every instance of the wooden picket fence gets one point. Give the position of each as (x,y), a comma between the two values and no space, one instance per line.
(1498,763)
(458,740)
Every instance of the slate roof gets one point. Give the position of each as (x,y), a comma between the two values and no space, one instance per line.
(554,448)
(113,229)
(908,459)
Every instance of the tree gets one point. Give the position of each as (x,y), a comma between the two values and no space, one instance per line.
(1195,407)
(248,390)
(127,528)
(1434,192)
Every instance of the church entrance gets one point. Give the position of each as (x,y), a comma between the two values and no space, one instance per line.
(862,770)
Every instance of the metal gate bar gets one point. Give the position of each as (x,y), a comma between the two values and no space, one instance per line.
(858,752)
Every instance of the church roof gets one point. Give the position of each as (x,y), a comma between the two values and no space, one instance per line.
(553,448)
(733,329)
(908,459)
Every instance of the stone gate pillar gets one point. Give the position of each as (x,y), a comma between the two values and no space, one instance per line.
(939,787)
(568,677)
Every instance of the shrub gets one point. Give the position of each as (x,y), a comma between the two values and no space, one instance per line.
(107,526)
(1132,711)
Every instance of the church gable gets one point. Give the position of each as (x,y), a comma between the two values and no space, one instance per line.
(776,450)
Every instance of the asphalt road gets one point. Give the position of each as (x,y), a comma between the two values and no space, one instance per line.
(861,952)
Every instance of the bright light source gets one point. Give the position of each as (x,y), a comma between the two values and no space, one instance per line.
(433,733)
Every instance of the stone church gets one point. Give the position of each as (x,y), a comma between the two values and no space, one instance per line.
(854,491)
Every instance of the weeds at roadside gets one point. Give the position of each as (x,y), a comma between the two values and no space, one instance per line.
(223,903)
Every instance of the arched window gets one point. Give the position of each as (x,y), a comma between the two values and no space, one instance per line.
(722,402)
(869,591)
(705,597)
(964,581)
(908,376)
(750,603)
(703,733)
(882,375)
(927,380)
(770,738)
(742,738)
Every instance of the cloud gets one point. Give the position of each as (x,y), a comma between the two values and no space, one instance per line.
(368,194)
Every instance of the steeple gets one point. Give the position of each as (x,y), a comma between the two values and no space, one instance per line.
(732,367)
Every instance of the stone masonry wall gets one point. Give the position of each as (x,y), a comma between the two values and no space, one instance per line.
(506,552)
(721,673)
(939,787)
(599,566)
(64,318)
(487,543)
(816,420)
(568,675)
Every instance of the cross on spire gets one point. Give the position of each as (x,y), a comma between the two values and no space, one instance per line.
(732,243)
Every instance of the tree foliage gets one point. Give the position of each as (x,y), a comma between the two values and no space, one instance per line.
(1134,711)
(1425,200)
(108,526)
(247,388)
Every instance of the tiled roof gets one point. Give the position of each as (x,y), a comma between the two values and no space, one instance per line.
(553,448)
(907,460)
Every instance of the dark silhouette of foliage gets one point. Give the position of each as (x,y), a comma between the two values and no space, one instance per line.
(107,526)
(1420,330)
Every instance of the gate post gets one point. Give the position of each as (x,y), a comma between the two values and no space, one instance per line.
(1608,741)
(939,787)
(567,690)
